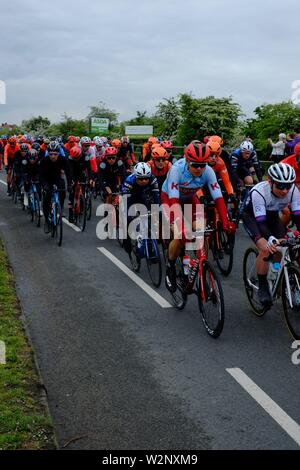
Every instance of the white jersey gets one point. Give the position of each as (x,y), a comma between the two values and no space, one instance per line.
(261,200)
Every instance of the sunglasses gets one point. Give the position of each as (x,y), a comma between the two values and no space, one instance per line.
(143,178)
(282,186)
(53,154)
(160,160)
(111,158)
(198,165)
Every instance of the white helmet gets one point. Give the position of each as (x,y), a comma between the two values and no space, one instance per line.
(104,140)
(85,140)
(282,173)
(246,146)
(96,138)
(98,141)
(142,169)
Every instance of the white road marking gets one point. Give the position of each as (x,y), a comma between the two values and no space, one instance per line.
(281,417)
(77,229)
(3,182)
(143,285)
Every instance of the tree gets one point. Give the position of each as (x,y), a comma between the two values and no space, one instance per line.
(69,126)
(38,125)
(270,120)
(207,116)
(168,111)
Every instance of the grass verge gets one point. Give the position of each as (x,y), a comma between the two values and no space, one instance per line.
(24,422)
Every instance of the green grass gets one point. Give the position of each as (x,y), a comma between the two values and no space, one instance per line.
(24,423)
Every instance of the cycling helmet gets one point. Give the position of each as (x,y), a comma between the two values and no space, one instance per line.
(152,140)
(22,140)
(125,139)
(141,169)
(167,144)
(246,146)
(196,152)
(85,140)
(53,146)
(12,140)
(32,155)
(24,148)
(214,147)
(71,139)
(297,149)
(216,138)
(104,140)
(98,141)
(116,143)
(110,151)
(96,138)
(75,153)
(46,141)
(36,146)
(158,152)
(282,173)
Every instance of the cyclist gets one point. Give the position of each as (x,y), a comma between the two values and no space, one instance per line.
(159,164)
(71,142)
(31,173)
(126,153)
(18,163)
(261,217)
(185,178)
(99,149)
(146,150)
(111,173)
(51,168)
(82,168)
(10,150)
(140,187)
(168,146)
(245,164)
(294,161)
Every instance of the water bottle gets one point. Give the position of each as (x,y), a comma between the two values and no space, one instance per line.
(273,272)
(186,265)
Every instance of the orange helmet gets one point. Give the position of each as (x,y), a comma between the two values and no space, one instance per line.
(152,140)
(71,139)
(158,152)
(116,143)
(22,140)
(216,138)
(196,152)
(214,147)
(12,140)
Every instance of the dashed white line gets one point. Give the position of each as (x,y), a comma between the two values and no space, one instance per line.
(281,417)
(3,182)
(74,227)
(138,281)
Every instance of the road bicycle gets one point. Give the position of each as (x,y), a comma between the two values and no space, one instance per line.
(204,282)
(55,217)
(147,247)
(34,206)
(82,204)
(284,283)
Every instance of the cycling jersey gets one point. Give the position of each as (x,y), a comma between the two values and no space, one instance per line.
(293,161)
(222,173)
(146,195)
(111,175)
(160,174)
(241,166)
(50,172)
(181,186)
(126,154)
(261,211)
(99,153)
(9,153)
(146,152)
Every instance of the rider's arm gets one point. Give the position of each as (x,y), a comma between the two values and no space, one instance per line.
(226,180)
(216,194)
(256,165)
(155,190)
(260,213)
(295,206)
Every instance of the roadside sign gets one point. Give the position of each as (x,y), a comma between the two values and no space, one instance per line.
(139,132)
(99,125)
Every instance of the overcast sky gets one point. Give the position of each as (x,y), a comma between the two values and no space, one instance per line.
(65,55)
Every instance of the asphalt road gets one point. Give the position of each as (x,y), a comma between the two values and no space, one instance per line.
(121,372)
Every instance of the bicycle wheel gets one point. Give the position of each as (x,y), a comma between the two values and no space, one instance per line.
(179,296)
(58,224)
(212,306)
(135,257)
(291,310)
(81,214)
(153,261)
(224,245)
(88,207)
(251,281)
(30,208)
(37,210)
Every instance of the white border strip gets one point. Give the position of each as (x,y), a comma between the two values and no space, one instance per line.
(281,417)
(138,281)
(3,182)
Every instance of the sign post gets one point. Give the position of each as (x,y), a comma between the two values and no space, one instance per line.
(139,132)
(99,126)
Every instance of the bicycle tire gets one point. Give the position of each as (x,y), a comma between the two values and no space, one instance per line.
(214,295)
(180,296)
(251,285)
(89,207)
(37,212)
(226,244)
(292,315)
(135,258)
(153,259)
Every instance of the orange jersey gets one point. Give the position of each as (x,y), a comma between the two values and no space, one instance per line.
(221,172)
(292,160)
(9,152)
(146,150)
(156,171)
